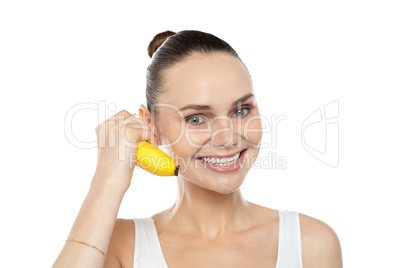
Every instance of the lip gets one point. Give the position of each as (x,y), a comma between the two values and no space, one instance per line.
(225,169)
(221,156)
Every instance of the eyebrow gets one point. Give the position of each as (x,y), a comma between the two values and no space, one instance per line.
(199,107)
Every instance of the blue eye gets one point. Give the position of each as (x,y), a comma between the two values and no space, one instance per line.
(243,108)
(194,119)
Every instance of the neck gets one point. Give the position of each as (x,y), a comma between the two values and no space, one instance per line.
(202,212)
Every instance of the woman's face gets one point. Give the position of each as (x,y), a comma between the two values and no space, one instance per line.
(215,123)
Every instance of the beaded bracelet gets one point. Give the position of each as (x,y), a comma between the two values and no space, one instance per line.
(72,240)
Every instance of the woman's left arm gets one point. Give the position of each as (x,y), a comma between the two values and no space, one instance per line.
(320,244)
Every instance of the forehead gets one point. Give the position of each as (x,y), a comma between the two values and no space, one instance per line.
(213,79)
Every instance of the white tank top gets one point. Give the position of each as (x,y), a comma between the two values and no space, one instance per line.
(148,251)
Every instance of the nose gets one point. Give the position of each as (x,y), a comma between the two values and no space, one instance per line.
(223,132)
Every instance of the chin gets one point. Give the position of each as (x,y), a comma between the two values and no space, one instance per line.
(225,191)
(225,188)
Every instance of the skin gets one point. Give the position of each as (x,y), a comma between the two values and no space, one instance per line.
(210,222)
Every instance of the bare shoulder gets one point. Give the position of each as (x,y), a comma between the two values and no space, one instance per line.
(121,246)
(320,244)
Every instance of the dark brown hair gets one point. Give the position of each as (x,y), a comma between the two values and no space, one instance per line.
(168,48)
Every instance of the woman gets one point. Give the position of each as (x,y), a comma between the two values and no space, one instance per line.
(201,106)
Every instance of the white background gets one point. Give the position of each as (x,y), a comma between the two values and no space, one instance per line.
(302,55)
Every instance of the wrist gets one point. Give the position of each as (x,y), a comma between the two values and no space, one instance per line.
(109,185)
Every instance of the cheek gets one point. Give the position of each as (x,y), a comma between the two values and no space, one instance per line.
(184,153)
(196,136)
(170,133)
(253,130)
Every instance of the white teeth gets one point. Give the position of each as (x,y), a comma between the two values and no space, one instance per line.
(222,161)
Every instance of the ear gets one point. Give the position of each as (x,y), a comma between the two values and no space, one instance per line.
(146,115)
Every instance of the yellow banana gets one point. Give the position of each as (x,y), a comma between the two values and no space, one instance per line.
(155,161)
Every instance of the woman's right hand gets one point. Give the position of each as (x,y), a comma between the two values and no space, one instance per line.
(117,147)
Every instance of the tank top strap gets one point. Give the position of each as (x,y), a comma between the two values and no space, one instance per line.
(147,250)
(289,243)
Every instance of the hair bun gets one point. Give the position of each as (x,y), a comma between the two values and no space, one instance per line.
(158,41)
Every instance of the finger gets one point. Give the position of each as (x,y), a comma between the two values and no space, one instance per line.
(155,140)
(150,137)
(122,115)
(147,135)
(144,132)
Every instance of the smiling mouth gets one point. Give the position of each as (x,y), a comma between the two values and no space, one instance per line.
(222,161)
